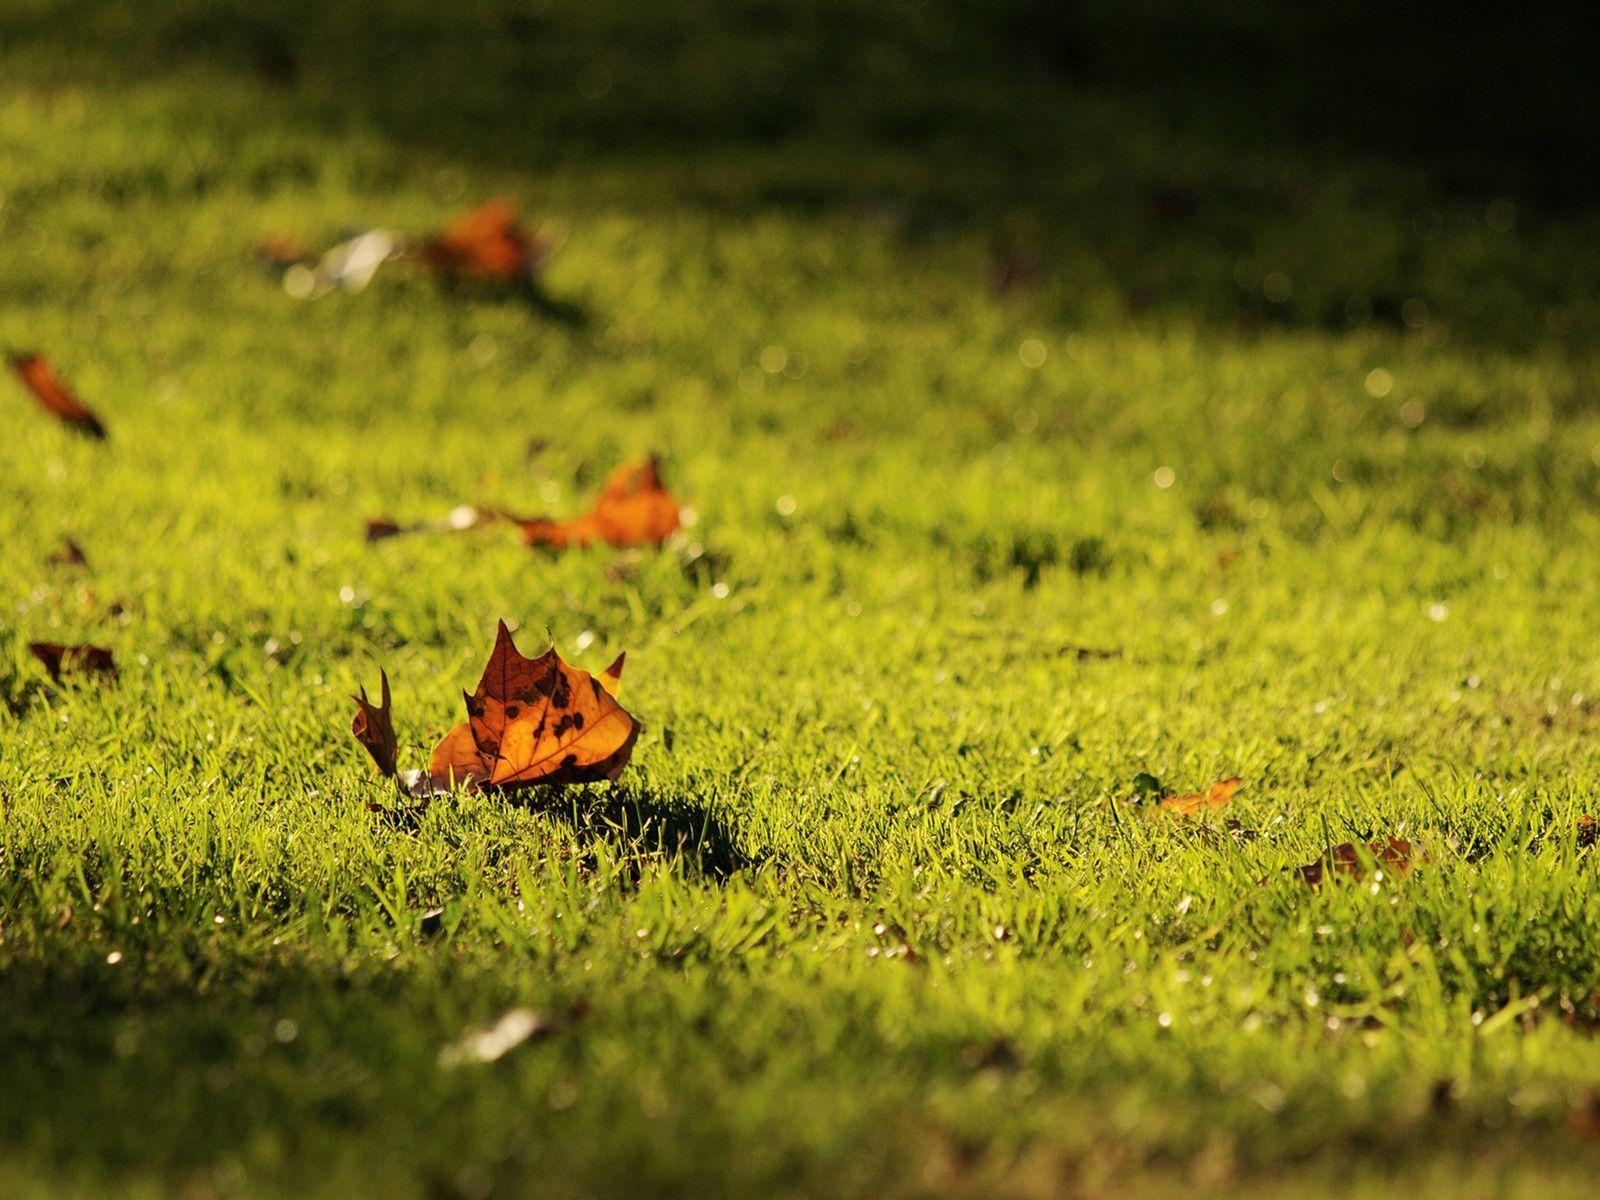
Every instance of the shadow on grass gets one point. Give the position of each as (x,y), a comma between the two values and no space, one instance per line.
(640,827)
(531,294)
(1181,160)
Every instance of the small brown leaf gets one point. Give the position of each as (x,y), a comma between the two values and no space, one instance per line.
(69,555)
(1588,832)
(486,243)
(373,727)
(634,509)
(1348,858)
(1216,796)
(40,378)
(1584,1121)
(61,660)
(280,251)
(379,528)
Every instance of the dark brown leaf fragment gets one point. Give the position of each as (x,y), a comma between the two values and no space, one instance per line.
(1392,854)
(62,660)
(373,727)
(69,555)
(379,528)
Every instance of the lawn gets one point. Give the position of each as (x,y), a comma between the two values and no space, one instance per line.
(1049,450)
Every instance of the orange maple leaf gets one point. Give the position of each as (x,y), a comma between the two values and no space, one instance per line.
(487,242)
(1216,796)
(634,509)
(537,721)
(531,721)
(40,378)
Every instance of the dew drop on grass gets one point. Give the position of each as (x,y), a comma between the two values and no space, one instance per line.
(1164,477)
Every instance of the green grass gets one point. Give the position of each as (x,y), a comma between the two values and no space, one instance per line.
(872,912)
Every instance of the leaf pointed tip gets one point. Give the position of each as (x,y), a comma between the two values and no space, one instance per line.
(611,677)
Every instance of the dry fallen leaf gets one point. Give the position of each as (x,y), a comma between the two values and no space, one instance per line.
(1216,796)
(634,509)
(62,660)
(1395,854)
(379,528)
(69,555)
(280,251)
(40,378)
(537,721)
(485,243)
(374,728)
(531,721)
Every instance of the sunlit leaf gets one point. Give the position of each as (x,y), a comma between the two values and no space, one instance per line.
(41,380)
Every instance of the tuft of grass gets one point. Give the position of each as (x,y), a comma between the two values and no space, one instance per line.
(876,909)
